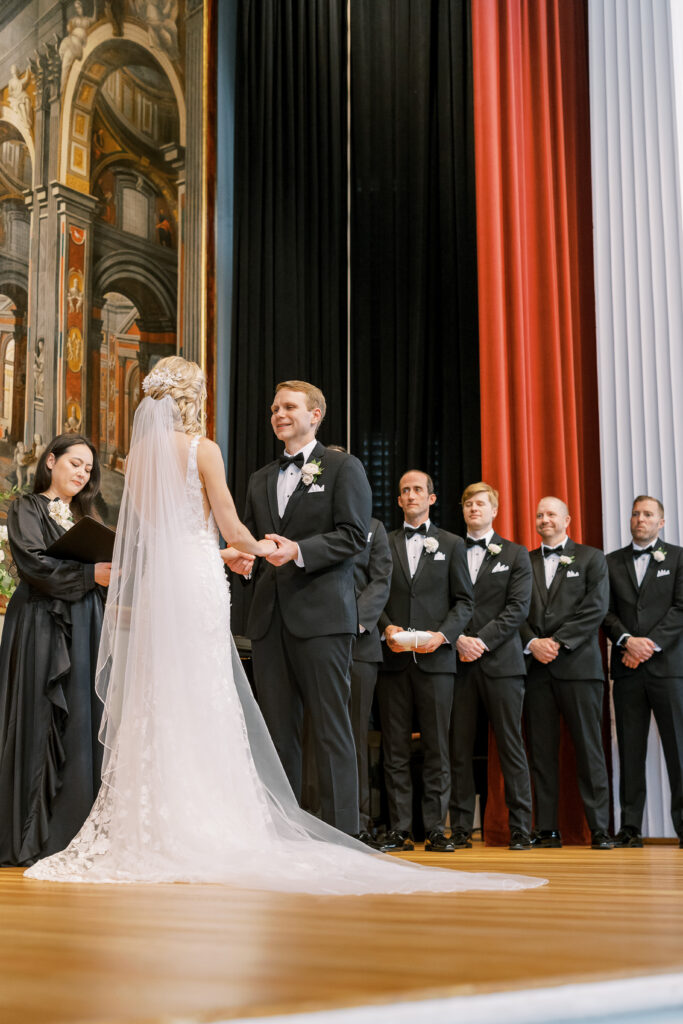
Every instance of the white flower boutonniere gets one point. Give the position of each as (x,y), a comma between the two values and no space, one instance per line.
(431,545)
(659,555)
(310,471)
(61,513)
(494,549)
(567,559)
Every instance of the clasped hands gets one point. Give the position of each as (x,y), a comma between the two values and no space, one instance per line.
(436,640)
(275,549)
(636,650)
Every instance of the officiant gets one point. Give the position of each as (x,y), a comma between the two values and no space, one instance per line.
(50,756)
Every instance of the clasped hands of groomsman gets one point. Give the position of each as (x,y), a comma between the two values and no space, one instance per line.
(486,604)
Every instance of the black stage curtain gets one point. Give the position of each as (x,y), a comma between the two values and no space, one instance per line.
(290,283)
(415,354)
(415,367)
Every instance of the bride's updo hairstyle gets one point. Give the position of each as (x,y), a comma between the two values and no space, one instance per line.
(185,383)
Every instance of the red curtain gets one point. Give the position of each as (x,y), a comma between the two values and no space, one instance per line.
(539,417)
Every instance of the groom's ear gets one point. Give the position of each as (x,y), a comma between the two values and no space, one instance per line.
(316,417)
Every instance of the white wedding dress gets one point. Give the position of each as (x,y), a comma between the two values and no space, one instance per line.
(192,789)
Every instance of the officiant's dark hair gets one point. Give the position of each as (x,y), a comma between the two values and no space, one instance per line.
(81,503)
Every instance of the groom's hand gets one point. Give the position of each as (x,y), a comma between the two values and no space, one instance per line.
(287,550)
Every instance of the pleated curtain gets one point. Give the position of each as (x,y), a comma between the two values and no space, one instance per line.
(636,113)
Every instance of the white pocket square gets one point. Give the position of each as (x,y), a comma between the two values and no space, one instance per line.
(663,572)
(439,556)
(501,568)
(316,487)
(570,574)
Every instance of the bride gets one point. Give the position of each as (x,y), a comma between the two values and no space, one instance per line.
(192,788)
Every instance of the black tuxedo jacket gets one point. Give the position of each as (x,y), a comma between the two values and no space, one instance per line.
(372,570)
(329,521)
(571,611)
(655,609)
(438,597)
(502,595)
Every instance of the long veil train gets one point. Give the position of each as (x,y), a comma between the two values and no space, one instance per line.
(193,789)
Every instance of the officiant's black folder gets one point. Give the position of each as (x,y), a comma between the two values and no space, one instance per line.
(87,541)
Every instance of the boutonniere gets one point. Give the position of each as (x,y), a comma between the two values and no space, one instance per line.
(494,549)
(61,513)
(659,555)
(310,471)
(431,545)
(567,559)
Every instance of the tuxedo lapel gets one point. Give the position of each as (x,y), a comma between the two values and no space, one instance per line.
(629,566)
(300,489)
(560,571)
(399,542)
(431,532)
(271,489)
(539,574)
(487,561)
(650,574)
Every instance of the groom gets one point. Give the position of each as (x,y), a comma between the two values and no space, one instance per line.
(315,504)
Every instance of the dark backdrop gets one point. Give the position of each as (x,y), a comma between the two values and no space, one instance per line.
(414,350)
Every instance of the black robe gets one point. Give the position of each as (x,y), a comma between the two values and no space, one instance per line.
(50,756)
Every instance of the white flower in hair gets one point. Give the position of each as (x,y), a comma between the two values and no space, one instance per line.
(160,379)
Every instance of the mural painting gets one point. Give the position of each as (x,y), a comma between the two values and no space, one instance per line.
(100,203)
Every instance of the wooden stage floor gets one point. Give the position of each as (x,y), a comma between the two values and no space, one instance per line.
(195,953)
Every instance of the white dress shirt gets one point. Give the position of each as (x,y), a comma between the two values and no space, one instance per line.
(287,482)
(476,554)
(415,547)
(641,563)
(551,563)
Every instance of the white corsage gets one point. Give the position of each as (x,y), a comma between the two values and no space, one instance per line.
(659,555)
(431,545)
(567,559)
(61,513)
(310,471)
(494,549)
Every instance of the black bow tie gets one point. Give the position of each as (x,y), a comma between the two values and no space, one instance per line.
(411,531)
(472,543)
(643,551)
(547,552)
(292,460)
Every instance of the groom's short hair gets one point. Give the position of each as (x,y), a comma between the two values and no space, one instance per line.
(315,399)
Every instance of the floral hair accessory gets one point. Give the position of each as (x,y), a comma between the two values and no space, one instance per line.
(160,379)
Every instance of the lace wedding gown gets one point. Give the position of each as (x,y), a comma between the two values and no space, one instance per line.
(192,787)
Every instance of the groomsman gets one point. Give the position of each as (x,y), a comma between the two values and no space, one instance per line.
(315,503)
(492,668)
(569,600)
(645,625)
(372,570)
(430,591)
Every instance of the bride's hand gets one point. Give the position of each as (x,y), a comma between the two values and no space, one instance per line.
(238,561)
(266,547)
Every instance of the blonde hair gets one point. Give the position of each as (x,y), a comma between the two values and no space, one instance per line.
(184,381)
(473,489)
(315,399)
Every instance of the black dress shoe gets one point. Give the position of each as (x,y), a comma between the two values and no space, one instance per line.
(395,839)
(601,840)
(543,839)
(367,839)
(438,843)
(628,835)
(519,839)
(461,839)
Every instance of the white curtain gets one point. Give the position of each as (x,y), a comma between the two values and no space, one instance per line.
(636,54)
